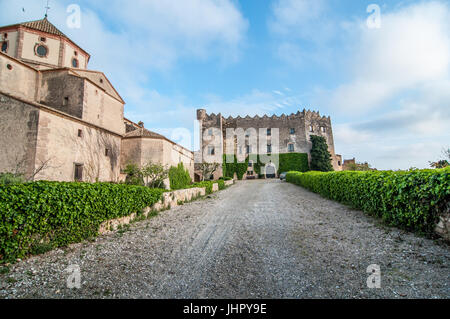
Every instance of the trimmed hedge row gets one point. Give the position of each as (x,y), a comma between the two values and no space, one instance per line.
(412,200)
(57,214)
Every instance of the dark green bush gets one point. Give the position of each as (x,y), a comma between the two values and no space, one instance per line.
(42,214)
(221,184)
(179,177)
(412,200)
(11,179)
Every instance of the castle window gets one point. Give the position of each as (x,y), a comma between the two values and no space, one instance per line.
(41,50)
(5,46)
(311,128)
(75,63)
(210,132)
(240,149)
(5,36)
(80,133)
(339,163)
(75,53)
(269,148)
(43,39)
(78,176)
(292,131)
(291,148)
(323,129)
(211,150)
(106,152)
(249,149)
(66,101)
(250,164)
(101,81)
(269,132)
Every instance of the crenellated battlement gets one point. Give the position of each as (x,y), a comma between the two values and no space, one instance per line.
(305,114)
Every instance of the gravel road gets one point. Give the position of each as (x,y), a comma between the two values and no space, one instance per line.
(257,239)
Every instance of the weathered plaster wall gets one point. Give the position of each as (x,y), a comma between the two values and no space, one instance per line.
(57,86)
(58,141)
(30,39)
(20,81)
(18,135)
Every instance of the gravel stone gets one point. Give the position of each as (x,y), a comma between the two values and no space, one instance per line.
(257,239)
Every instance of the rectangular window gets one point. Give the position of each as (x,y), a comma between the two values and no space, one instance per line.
(292,131)
(249,149)
(269,148)
(210,132)
(240,149)
(311,129)
(78,172)
(66,101)
(80,133)
(291,148)
(323,129)
(250,173)
(211,150)
(250,164)
(106,152)
(269,132)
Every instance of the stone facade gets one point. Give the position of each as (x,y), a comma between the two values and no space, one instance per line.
(66,123)
(282,134)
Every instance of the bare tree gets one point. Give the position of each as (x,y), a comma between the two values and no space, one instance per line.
(207,169)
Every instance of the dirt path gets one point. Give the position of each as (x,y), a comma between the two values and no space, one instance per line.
(258,239)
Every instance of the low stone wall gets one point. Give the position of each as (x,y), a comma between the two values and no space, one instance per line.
(168,201)
(229,183)
(443,227)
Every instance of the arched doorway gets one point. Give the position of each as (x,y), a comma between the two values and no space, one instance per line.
(271,170)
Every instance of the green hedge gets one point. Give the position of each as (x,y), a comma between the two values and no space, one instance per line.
(57,214)
(287,162)
(411,200)
(179,177)
(293,162)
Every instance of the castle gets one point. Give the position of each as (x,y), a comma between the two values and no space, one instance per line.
(282,134)
(62,121)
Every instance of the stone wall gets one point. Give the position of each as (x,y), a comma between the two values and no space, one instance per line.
(59,142)
(18,135)
(169,201)
(20,79)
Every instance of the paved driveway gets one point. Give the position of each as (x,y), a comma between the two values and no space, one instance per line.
(257,239)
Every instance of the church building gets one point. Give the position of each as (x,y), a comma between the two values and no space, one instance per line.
(61,121)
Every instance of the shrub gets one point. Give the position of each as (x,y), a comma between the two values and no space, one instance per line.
(179,177)
(221,184)
(134,175)
(34,216)
(154,175)
(11,179)
(293,162)
(411,200)
(207,184)
(320,156)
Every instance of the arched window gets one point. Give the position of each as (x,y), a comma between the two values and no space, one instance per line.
(75,63)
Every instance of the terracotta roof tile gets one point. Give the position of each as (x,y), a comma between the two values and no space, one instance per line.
(43,25)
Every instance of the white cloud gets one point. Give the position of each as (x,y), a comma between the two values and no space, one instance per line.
(411,49)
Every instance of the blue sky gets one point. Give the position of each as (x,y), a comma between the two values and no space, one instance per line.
(386,89)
